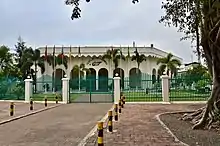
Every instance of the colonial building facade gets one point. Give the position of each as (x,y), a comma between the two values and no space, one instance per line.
(90,56)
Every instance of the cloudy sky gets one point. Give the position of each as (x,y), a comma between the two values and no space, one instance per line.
(103,22)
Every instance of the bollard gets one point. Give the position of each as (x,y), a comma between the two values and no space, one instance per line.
(110,123)
(122,103)
(123,97)
(116,112)
(100,134)
(31,104)
(11,109)
(119,106)
(45,101)
(56,98)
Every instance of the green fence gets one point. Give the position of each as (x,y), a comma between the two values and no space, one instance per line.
(140,90)
(48,89)
(91,90)
(190,88)
(12,89)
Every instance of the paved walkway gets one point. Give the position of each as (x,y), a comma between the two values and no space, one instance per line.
(65,125)
(139,127)
(20,108)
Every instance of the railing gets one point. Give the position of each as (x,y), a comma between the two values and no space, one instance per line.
(190,89)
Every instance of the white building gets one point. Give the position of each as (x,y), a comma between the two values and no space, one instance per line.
(90,56)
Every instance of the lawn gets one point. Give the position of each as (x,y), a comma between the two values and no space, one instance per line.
(51,96)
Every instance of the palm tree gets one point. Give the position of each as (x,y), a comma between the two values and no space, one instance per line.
(80,70)
(168,64)
(113,55)
(30,58)
(139,58)
(53,61)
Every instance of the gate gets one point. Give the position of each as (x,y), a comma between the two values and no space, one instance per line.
(91,90)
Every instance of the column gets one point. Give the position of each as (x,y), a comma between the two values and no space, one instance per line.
(97,80)
(117,89)
(65,90)
(28,89)
(165,88)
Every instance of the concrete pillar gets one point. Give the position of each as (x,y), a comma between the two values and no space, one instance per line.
(117,89)
(28,89)
(65,90)
(165,88)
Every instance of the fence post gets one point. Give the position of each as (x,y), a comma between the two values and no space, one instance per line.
(28,89)
(117,89)
(165,88)
(65,89)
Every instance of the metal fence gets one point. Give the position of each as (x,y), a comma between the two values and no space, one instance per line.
(91,90)
(47,89)
(142,90)
(12,89)
(192,88)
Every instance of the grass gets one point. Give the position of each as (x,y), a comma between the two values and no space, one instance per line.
(51,97)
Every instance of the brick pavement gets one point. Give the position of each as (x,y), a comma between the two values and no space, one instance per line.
(20,108)
(138,126)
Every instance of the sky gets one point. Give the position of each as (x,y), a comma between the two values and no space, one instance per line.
(103,22)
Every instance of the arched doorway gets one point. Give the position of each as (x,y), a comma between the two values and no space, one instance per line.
(120,73)
(154,77)
(57,81)
(91,80)
(74,79)
(135,78)
(103,80)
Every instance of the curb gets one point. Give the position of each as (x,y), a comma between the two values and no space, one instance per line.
(22,101)
(28,114)
(153,102)
(94,129)
(167,129)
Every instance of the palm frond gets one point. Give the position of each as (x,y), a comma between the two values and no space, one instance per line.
(176,62)
(161,60)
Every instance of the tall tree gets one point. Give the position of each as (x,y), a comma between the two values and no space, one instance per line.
(182,14)
(6,61)
(168,64)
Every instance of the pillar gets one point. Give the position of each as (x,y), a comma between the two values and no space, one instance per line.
(117,89)
(28,89)
(65,90)
(165,88)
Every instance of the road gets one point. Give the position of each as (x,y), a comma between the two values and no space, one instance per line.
(62,126)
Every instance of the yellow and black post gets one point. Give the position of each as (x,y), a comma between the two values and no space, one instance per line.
(45,101)
(56,98)
(122,103)
(31,104)
(11,109)
(116,112)
(123,97)
(119,106)
(100,133)
(110,123)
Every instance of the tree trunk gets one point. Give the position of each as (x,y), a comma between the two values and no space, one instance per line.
(205,117)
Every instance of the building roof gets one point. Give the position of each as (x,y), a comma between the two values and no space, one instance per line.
(100,50)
